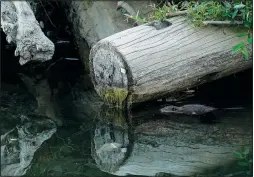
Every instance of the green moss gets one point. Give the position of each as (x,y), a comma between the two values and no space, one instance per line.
(115,96)
(114,115)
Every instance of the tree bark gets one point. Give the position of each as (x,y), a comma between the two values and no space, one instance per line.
(95,20)
(21,27)
(144,63)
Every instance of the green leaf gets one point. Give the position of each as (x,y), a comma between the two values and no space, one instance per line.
(246,149)
(250,161)
(238,155)
(245,52)
(242,34)
(237,47)
(243,164)
(227,4)
(235,13)
(239,6)
(249,40)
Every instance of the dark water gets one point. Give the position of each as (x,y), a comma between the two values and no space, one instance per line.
(98,141)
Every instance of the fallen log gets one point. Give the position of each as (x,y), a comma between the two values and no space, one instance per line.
(94,20)
(19,24)
(176,145)
(144,63)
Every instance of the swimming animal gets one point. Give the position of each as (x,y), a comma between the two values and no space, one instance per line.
(192,109)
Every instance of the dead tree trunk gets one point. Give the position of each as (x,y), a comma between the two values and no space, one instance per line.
(19,24)
(95,20)
(145,63)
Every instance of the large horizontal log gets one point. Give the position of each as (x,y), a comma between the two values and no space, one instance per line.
(145,63)
(94,20)
(21,27)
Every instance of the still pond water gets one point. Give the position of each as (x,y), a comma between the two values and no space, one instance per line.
(148,144)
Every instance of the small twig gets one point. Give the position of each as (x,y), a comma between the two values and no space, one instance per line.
(173,14)
(222,23)
(47,15)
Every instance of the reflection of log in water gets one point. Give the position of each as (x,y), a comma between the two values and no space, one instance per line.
(19,144)
(181,145)
(110,141)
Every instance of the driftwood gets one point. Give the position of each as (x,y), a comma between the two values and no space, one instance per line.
(95,20)
(143,63)
(176,145)
(19,24)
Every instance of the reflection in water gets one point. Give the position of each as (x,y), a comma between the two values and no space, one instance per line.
(179,145)
(101,142)
(19,144)
(109,146)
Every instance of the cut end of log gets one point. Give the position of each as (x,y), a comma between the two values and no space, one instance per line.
(109,73)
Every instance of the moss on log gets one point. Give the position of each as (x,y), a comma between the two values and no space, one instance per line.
(150,63)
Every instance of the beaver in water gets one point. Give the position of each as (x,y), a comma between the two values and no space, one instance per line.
(192,109)
(205,113)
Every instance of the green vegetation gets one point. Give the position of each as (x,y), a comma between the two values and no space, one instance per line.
(114,96)
(201,13)
(245,159)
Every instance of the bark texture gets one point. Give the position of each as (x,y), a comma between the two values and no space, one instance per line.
(148,62)
(19,24)
(95,20)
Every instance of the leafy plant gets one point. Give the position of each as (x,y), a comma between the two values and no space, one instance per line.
(244,159)
(158,13)
(136,18)
(199,12)
(243,12)
(237,12)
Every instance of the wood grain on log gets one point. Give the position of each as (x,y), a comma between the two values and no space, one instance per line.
(95,20)
(21,27)
(146,63)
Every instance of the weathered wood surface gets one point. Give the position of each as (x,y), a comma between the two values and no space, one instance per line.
(94,20)
(178,145)
(145,63)
(19,24)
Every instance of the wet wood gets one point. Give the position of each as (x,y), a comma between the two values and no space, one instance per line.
(21,27)
(144,63)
